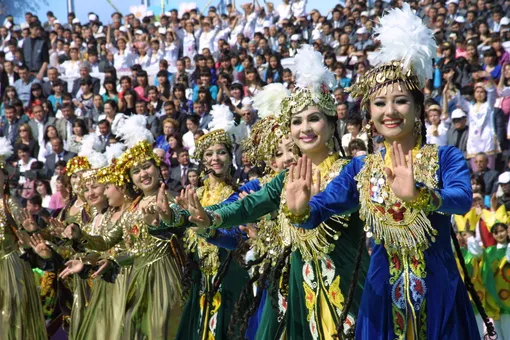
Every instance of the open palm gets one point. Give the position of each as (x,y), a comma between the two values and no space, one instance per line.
(40,247)
(299,186)
(198,215)
(401,177)
(72,267)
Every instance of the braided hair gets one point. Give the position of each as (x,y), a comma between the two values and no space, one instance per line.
(279,272)
(350,294)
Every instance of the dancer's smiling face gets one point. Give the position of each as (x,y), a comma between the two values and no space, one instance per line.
(394,111)
(217,158)
(284,156)
(310,130)
(145,175)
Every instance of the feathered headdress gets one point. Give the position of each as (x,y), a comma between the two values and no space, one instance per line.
(90,150)
(405,56)
(222,128)
(313,86)
(139,141)
(266,134)
(111,173)
(6,151)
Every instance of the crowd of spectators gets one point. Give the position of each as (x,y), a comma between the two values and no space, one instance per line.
(61,79)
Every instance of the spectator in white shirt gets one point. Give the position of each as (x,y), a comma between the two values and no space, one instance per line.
(25,162)
(437,129)
(284,10)
(354,132)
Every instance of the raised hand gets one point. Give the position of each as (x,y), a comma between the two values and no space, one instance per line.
(72,267)
(299,186)
(72,232)
(181,200)
(104,265)
(162,206)
(40,247)
(401,177)
(198,215)
(28,221)
(57,227)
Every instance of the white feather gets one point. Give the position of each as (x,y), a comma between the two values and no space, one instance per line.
(6,149)
(404,37)
(310,71)
(89,144)
(114,151)
(97,160)
(267,102)
(223,118)
(134,130)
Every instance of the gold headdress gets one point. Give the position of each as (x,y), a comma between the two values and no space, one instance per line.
(139,141)
(111,173)
(77,164)
(313,83)
(96,160)
(6,151)
(266,134)
(405,57)
(222,127)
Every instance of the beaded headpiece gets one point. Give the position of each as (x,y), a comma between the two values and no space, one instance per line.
(96,160)
(313,84)
(139,141)
(266,134)
(6,151)
(209,139)
(222,130)
(112,173)
(405,56)
(77,164)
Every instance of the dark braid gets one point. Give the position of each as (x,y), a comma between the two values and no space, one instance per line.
(336,136)
(350,294)
(369,130)
(187,280)
(491,333)
(276,274)
(222,271)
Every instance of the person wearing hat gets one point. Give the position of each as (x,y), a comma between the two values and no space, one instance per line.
(362,39)
(504,182)
(458,132)
(437,131)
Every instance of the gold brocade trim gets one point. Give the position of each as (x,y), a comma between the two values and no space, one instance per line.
(392,221)
(313,244)
(207,253)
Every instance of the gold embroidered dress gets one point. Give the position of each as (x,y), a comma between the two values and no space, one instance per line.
(321,262)
(203,319)
(21,314)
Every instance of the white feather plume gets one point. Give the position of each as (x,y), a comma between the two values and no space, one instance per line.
(223,118)
(267,102)
(404,37)
(97,160)
(310,71)
(6,149)
(134,130)
(114,151)
(90,143)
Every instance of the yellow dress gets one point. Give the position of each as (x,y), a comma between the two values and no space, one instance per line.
(104,316)
(154,284)
(22,316)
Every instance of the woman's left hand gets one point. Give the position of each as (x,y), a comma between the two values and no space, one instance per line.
(401,177)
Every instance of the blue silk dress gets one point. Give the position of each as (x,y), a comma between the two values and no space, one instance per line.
(438,298)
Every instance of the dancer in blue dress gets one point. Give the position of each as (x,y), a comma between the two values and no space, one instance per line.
(405,193)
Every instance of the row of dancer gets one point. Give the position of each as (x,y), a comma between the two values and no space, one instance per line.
(303,273)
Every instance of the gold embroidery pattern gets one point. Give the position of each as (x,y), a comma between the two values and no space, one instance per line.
(313,244)
(398,225)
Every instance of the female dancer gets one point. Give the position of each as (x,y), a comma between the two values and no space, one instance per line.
(413,278)
(22,316)
(154,283)
(319,272)
(217,281)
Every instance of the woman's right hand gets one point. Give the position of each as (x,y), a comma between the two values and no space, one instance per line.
(197,212)
(104,265)
(72,267)
(72,232)
(299,186)
(40,247)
